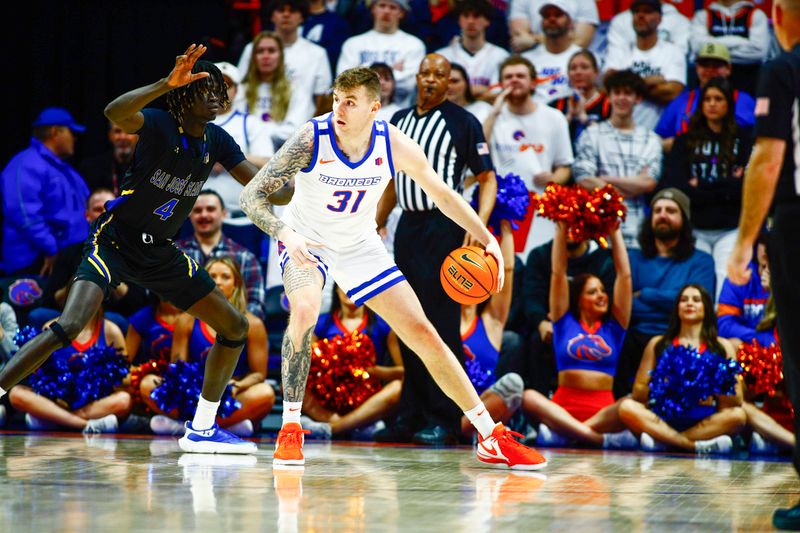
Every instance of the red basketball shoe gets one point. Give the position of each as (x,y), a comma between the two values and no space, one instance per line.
(289,448)
(502,449)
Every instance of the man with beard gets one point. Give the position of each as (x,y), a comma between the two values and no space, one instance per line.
(452,140)
(667,261)
(106,170)
(552,56)
(661,64)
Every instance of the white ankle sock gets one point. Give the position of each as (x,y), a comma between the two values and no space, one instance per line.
(205,415)
(2,392)
(479,417)
(291,412)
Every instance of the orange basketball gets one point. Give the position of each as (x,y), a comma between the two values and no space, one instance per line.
(468,276)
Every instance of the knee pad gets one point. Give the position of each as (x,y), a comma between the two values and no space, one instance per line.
(59,332)
(229,343)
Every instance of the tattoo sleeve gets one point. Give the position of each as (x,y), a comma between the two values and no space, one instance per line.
(294,366)
(294,155)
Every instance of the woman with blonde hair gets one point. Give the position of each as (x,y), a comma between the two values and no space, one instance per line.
(268,93)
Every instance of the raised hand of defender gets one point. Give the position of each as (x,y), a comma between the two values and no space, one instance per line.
(297,248)
(182,73)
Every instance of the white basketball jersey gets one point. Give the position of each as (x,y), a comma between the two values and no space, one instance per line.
(335,200)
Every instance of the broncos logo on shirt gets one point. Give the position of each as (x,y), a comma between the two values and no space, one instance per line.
(588,348)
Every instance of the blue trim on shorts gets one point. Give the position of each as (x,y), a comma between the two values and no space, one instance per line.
(379,290)
(377,278)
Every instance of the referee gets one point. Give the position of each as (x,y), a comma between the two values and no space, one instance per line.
(453,140)
(774,171)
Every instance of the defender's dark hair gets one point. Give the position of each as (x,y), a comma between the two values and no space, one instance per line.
(179,100)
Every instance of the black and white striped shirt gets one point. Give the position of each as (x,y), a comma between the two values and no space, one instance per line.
(452,140)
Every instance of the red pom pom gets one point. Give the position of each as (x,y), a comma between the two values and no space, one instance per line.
(763,367)
(338,374)
(137,373)
(586,214)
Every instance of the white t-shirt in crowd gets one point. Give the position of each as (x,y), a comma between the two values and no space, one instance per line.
(528,145)
(480,109)
(297,114)
(674,28)
(529,9)
(386,112)
(482,66)
(254,138)
(663,59)
(306,65)
(743,50)
(400,50)
(551,72)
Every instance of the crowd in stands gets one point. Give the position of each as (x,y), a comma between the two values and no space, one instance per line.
(655,98)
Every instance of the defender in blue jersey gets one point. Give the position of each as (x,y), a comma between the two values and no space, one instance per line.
(131,242)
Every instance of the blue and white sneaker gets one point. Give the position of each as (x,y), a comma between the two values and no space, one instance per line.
(214,440)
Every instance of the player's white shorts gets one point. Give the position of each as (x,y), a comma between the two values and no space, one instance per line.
(362,271)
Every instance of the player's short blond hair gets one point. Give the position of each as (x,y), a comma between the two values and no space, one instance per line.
(353,78)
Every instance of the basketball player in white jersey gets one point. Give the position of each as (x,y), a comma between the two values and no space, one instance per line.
(341,164)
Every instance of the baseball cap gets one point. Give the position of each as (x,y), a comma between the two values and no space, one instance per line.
(677,196)
(58,116)
(229,71)
(714,50)
(655,4)
(405,5)
(567,6)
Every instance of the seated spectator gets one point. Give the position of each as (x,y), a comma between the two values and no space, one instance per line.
(528,139)
(621,152)
(485,341)
(307,65)
(107,169)
(388,107)
(343,319)
(269,93)
(387,43)
(447,27)
(666,261)
(675,27)
(707,426)
(43,197)
(192,340)
(713,61)
(525,22)
(121,302)
(149,336)
(552,56)
(586,104)
(538,367)
(707,163)
(8,329)
(741,308)
(587,337)
(459,91)
(743,29)
(251,134)
(101,416)
(327,29)
(661,64)
(479,58)
(208,241)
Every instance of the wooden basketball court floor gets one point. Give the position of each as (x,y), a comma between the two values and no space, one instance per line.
(67,482)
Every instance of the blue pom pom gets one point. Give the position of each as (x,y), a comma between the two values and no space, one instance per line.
(511,204)
(683,377)
(481,378)
(24,335)
(180,388)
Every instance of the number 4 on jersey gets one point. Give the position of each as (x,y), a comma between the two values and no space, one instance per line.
(165,210)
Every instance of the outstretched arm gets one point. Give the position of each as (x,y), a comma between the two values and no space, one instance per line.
(410,158)
(126,110)
(294,155)
(623,284)
(559,282)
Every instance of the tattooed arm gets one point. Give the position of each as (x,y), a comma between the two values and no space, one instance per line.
(294,155)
